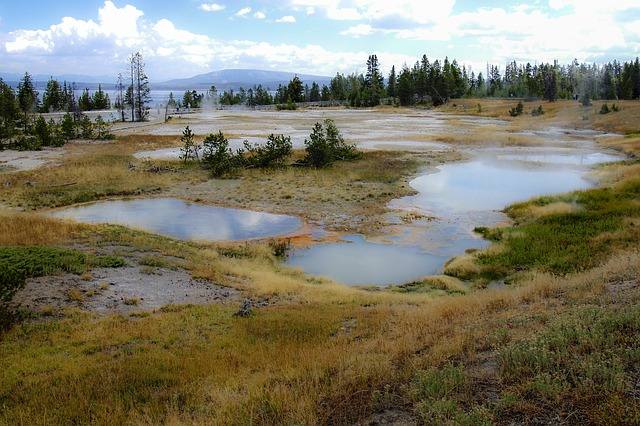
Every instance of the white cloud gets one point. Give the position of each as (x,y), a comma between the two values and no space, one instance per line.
(359,30)
(243,12)
(416,11)
(289,19)
(212,7)
(91,47)
(259,15)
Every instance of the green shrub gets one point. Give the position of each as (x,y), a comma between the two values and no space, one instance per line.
(536,112)
(326,145)
(272,154)
(27,143)
(605,109)
(190,150)
(68,127)
(86,127)
(217,157)
(517,111)
(102,129)
(42,131)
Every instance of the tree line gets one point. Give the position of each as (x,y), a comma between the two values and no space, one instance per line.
(434,83)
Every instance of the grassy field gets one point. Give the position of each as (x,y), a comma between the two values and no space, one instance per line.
(560,344)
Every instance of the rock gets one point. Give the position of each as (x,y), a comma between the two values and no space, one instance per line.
(245,310)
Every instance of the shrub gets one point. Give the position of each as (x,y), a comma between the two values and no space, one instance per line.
(289,106)
(68,127)
(536,112)
(605,109)
(86,127)
(102,129)
(56,138)
(518,110)
(615,108)
(27,143)
(326,145)
(272,154)
(190,150)
(217,157)
(42,132)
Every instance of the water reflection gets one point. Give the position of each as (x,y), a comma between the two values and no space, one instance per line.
(184,220)
(462,196)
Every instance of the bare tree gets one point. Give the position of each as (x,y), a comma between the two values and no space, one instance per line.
(120,100)
(140,91)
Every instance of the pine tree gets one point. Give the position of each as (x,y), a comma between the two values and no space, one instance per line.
(314,93)
(8,110)
(27,97)
(391,83)
(295,90)
(85,102)
(100,99)
(52,97)
(406,87)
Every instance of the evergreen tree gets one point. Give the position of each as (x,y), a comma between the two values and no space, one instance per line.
(100,100)
(52,97)
(8,110)
(314,93)
(295,90)
(27,97)
(373,87)
(85,102)
(405,87)
(391,83)
(68,127)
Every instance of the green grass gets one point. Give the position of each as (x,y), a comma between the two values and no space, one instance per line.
(586,360)
(19,263)
(566,242)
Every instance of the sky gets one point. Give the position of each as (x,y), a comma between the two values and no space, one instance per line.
(181,38)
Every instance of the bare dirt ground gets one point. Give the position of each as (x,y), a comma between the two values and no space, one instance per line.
(147,283)
(11,160)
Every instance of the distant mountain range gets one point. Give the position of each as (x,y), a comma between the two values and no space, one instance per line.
(236,78)
(223,80)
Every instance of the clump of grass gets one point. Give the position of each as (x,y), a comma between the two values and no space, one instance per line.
(75,295)
(133,301)
(19,263)
(434,284)
(562,234)
(587,359)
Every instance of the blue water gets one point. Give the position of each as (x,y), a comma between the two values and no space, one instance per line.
(184,220)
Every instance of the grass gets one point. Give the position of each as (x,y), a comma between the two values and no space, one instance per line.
(346,196)
(559,234)
(560,347)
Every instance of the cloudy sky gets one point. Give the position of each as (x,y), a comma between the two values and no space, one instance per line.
(180,38)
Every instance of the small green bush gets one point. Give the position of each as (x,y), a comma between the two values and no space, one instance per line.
(536,112)
(272,154)
(217,157)
(517,111)
(326,146)
(190,150)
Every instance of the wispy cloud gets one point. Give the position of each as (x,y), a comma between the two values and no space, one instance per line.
(212,7)
(243,12)
(289,19)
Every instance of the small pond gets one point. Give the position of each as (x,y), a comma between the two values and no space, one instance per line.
(461,196)
(184,220)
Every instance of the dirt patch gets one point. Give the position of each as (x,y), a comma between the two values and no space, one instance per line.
(121,290)
(11,160)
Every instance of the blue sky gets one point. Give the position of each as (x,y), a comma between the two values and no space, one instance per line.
(184,37)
